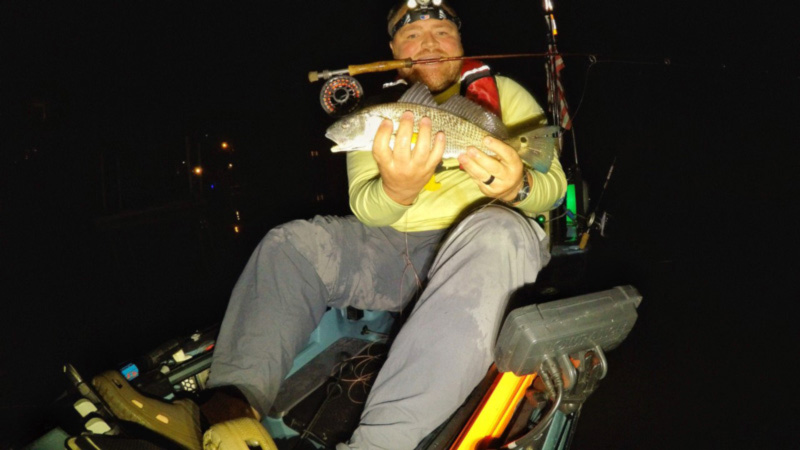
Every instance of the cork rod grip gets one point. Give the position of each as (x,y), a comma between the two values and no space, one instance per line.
(379,66)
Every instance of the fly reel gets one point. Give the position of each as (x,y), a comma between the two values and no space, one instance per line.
(340,95)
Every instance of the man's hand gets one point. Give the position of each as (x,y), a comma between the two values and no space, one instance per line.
(504,171)
(405,172)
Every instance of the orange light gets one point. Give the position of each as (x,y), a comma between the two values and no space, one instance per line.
(493,415)
(198,170)
(236,228)
(230,165)
(224,145)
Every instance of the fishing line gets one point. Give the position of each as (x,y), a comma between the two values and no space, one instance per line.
(362,377)
(592,62)
(409,263)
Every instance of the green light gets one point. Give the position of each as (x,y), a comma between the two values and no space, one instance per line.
(572,203)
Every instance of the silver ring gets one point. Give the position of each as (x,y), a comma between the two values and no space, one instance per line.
(489,181)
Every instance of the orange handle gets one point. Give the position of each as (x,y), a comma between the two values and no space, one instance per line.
(584,241)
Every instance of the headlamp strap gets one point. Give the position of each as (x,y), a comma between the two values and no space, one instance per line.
(422,12)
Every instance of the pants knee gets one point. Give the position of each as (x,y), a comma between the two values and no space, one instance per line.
(498,227)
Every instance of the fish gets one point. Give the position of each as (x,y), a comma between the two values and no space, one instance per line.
(463,122)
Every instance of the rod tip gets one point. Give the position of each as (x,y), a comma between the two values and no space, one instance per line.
(313,76)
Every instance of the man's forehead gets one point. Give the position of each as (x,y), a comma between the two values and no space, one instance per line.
(427,24)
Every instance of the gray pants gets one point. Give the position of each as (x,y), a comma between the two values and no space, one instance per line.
(441,353)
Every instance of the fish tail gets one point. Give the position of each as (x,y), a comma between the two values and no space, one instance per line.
(536,147)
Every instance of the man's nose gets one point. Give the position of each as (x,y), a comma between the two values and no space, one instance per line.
(429,41)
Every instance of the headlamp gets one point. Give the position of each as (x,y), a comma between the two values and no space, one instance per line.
(414,10)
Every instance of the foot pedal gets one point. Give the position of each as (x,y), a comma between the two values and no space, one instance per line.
(239,434)
(178,421)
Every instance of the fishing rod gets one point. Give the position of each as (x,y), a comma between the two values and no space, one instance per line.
(341,92)
(394,64)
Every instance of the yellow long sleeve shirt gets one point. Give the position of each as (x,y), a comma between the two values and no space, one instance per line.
(437,209)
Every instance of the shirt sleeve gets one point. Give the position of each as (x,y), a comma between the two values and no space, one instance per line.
(547,189)
(368,201)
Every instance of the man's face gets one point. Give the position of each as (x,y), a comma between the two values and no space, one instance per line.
(431,38)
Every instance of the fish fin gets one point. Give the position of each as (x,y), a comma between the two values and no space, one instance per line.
(474,113)
(537,147)
(418,94)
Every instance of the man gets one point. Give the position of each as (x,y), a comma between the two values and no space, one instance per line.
(402,238)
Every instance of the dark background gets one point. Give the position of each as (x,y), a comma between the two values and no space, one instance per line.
(109,247)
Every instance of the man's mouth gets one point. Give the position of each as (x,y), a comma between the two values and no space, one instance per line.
(429,57)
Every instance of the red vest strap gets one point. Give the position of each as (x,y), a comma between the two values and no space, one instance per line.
(478,84)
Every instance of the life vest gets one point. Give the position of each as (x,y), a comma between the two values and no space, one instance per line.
(478,84)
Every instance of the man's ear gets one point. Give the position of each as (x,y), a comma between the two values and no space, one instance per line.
(391,46)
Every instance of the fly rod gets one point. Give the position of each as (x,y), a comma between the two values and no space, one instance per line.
(385,66)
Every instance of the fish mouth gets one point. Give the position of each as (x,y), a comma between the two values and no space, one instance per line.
(336,147)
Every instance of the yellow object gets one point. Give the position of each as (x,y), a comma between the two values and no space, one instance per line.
(584,241)
(84,407)
(239,434)
(432,185)
(491,418)
(178,421)
(96,425)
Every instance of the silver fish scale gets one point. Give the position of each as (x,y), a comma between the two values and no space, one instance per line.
(460,133)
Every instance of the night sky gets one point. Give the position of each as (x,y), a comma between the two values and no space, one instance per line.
(109,245)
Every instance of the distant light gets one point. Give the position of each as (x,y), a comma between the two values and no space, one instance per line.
(224,145)
(236,228)
(230,165)
(198,170)
(238,217)
(212,186)
(183,162)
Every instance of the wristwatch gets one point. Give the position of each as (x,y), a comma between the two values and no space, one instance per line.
(525,191)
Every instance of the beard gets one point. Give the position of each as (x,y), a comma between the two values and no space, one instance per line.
(437,77)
